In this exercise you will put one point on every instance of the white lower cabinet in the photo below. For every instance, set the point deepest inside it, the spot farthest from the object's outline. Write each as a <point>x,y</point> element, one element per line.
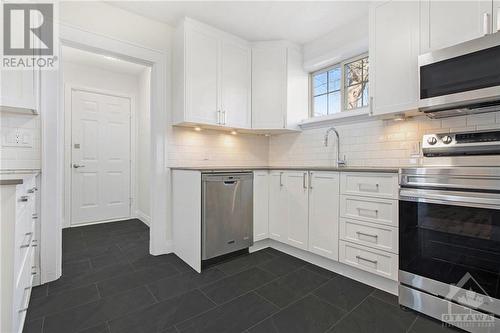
<point>323,213</point>
<point>278,213</point>
<point>260,205</point>
<point>368,259</point>
<point>18,239</point>
<point>297,191</point>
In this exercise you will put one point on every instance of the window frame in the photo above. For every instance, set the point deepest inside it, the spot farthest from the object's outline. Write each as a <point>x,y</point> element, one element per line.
<point>341,64</point>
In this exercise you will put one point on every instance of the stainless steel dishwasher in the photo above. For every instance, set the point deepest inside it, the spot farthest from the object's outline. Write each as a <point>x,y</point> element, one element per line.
<point>227,213</point>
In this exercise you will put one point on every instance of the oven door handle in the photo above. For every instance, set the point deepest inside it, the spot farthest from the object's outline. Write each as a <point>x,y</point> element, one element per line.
<point>467,199</point>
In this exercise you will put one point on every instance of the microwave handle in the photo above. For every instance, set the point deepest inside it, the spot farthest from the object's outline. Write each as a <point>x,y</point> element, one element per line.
<point>486,24</point>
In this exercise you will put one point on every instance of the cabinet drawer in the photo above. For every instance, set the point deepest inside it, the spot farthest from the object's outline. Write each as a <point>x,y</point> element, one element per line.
<point>369,184</point>
<point>369,234</point>
<point>374,261</point>
<point>22,293</point>
<point>374,210</point>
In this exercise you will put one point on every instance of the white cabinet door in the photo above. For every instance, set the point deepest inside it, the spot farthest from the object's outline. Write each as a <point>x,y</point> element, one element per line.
<point>260,205</point>
<point>324,214</point>
<point>445,23</point>
<point>19,89</point>
<point>297,208</point>
<point>496,16</point>
<point>202,53</point>
<point>235,84</point>
<point>278,213</point>
<point>269,66</point>
<point>394,48</point>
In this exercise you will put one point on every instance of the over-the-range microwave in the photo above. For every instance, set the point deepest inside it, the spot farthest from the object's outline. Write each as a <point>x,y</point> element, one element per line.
<point>461,79</point>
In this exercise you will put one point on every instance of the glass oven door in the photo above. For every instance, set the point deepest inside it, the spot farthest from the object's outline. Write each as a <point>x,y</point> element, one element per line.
<point>444,235</point>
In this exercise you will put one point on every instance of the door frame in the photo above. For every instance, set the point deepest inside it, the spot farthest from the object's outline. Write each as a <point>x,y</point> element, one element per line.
<point>52,125</point>
<point>69,88</point>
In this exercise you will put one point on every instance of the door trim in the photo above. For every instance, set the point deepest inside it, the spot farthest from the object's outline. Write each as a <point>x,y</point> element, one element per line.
<point>69,88</point>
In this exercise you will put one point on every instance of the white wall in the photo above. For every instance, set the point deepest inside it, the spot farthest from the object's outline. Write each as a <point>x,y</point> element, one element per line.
<point>143,153</point>
<point>345,42</point>
<point>20,157</point>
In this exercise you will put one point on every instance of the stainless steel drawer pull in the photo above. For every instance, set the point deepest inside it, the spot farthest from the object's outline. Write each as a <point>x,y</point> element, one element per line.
<point>369,235</point>
<point>31,191</point>
<point>24,246</point>
<point>23,310</point>
<point>304,183</point>
<point>23,198</point>
<point>360,210</point>
<point>369,260</point>
<point>368,187</point>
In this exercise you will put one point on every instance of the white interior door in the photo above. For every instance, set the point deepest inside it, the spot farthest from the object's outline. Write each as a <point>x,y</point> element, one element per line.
<point>100,151</point>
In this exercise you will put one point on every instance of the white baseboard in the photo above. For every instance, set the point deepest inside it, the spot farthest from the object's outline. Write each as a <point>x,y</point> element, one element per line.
<point>146,219</point>
<point>370,279</point>
<point>166,248</point>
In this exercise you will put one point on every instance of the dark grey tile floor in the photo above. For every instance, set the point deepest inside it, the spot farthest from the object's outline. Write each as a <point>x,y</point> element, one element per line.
<point>111,284</point>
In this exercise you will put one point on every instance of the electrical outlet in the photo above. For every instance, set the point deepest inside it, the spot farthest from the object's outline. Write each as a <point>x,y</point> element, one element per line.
<point>17,137</point>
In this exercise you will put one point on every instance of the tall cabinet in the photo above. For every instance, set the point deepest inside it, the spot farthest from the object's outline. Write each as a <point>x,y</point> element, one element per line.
<point>394,50</point>
<point>212,77</point>
<point>19,90</point>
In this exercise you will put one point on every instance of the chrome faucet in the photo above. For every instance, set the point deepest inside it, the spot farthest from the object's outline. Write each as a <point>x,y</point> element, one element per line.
<point>340,163</point>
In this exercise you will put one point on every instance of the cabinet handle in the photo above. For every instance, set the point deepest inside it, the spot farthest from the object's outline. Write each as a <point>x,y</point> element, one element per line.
<point>311,180</point>
<point>304,183</point>
<point>23,198</point>
<point>375,187</point>
<point>218,116</point>
<point>23,310</point>
<point>369,235</point>
<point>486,24</point>
<point>369,260</point>
<point>371,106</point>
<point>224,119</point>
<point>360,209</point>
<point>281,175</point>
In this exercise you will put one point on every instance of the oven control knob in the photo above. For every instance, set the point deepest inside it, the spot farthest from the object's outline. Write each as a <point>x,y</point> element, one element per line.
<point>447,139</point>
<point>432,140</point>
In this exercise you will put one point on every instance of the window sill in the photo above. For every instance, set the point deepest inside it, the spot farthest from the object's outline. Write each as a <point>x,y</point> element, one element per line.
<point>346,116</point>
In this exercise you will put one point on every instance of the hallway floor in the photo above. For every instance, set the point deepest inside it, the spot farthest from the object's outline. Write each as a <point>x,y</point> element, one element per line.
<point>111,284</point>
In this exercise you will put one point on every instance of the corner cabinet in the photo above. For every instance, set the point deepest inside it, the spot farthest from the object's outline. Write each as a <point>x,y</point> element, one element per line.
<point>279,86</point>
<point>394,50</point>
<point>19,90</point>
<point>211,77</point>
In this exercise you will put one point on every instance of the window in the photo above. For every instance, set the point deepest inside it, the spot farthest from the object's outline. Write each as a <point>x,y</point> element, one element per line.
<point>342,87</point>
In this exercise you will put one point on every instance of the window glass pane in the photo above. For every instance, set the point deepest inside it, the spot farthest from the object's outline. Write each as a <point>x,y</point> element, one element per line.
<point>320,106</point>
<point>320,83</point>
<point>334,102</point>
<point>354,73</point>
<point>354,96</point>
<point>365,95</point>
<point>334,79</point>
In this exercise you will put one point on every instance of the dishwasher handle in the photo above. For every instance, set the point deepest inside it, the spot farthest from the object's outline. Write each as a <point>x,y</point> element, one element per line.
<point>230,182</point>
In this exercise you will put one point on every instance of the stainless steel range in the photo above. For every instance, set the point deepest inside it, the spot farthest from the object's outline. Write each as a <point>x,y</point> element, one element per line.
<point>449,236</point>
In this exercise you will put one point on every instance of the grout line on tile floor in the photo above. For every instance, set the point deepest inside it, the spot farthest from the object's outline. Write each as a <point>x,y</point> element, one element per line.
<point>154,297</point>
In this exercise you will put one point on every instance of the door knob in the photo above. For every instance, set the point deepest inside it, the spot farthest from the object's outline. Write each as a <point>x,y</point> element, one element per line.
<point>76,166</point>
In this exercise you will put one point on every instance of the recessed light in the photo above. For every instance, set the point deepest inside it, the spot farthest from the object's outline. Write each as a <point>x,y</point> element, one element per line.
<point>197,129</point>
<point>234,132</point>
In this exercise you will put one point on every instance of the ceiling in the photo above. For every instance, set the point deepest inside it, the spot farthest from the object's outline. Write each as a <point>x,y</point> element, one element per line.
<point>296,21</point>
<point>81,57</point>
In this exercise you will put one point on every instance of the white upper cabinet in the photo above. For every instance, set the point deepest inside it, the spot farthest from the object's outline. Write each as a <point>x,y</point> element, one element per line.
<point>236,84</point>
<point>19,90</point>
<point>393,50</point>
<point>324,214</point>
<point>279,86</point>
<point>445,23</point>
<point>212,77</point>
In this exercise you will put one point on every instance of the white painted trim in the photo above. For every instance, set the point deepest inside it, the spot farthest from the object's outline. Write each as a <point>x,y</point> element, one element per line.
<point>370,279</point>
<point>341,117</point>
<point>146,219</point>
<point>103,221</point>
<point>52,115</point>
<point>68,113</point>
